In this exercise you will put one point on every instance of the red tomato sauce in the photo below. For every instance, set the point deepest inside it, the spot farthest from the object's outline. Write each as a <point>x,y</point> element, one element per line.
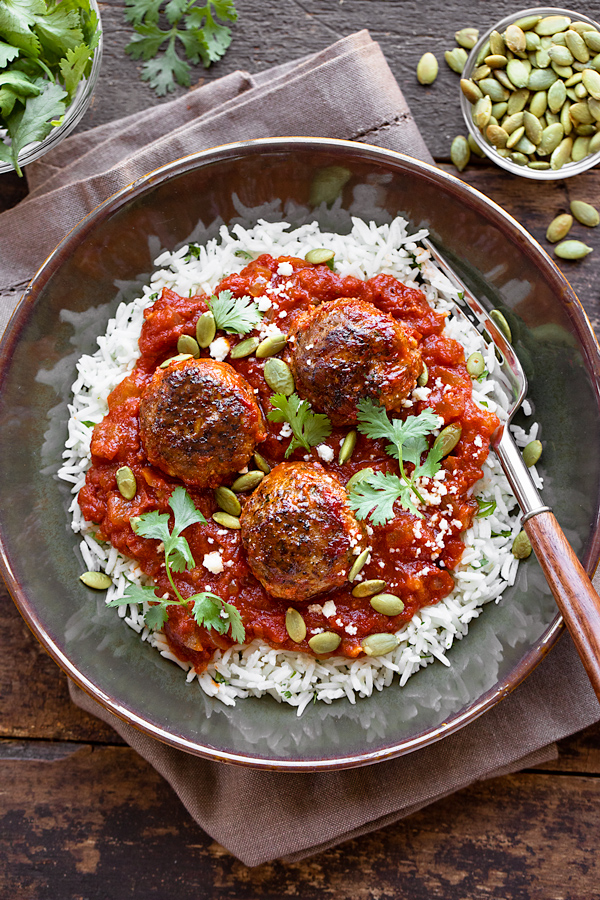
<point>414,556</point>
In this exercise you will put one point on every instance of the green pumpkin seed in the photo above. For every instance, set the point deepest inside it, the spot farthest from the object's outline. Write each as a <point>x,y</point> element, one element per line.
<point>550,25</point>
<point>387,604</point>
<point>521,547</point>
<point>460,152</point>
<point>226,520</point>
<point>494,90</point>
<point>482,112</point>
<point>518,73</point>
<point>514,38</point>
<point>578,47</point>
<point>175,359</point>
<point>497,45</point>
<point>552,135</point>
<point>227,500</point>
<point>261,463</point>
<point>532,453</point>
<point>581,27</point>
<point>295,625</point>
<point>581,148</point>
<point>559,228</point>
<point>361,475</point>
<point>481,72</point>
<point>592,40</point>
<point>574,80</point>
<point>552,118</point>
<point>247,482</point>
<point>580,114</point>
<point>320,255</point>
<point>562,56</point>
<point>585,130</point>
<point>100,581</point>
<point>525,145</point>
<point>470,90</point>
<point>580,92</point>
<point>511,123</point>
<point>126,482</point>
<point>427,71</point>
<point>206,329</point>
<point>528,22</point>
<point>358,564</point>
<point>541,79</point>
<point>447,439</point>
<point>595,143</point>
<point>245,348</point>
<point>379,644</point>
<point>423,377</point>
<point>485,51</point>
<point>517,101</point>
<point>532,41</point>
<point>456,59</point>
<point>519,158</point>
<point>368,588</point>
<point>496,135</point>
<point>501,76</point>
<point>538,104</point>
<point>591,80</point>
<point>515,137</point>
<point>476,364</point>
<point>467,37</point>
<point>594,108</point>
<point>539,165</point>
<point>271,345</point>
<point>557,94</point>
<point>572,250</point>
<point>496,62</point>
<point>347,448</point>
<point>562,154</point>
<point>500,321</point>
<point>474,146</point>
<point>533,128</point>
<point>325,642</point>
<point>188,345</point>
<point>278,376</point>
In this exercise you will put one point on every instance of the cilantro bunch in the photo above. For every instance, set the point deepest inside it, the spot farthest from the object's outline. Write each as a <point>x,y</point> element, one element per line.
<point>308,428</point>
<point>46,48</point>
<point>192,26</point>
<point>207,609</point>
<point>407,442</point>
<point>237,315</point>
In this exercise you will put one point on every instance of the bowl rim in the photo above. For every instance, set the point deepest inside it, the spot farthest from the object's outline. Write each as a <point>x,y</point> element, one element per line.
<point>589,347</point>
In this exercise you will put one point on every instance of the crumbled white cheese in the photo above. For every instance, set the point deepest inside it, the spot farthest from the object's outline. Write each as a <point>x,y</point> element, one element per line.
<point>329,609</point>
<point>219,349</point>
<point>285,268</point>
<point>421,393</point>
<point>286,430</point>
<point>213,562</point>
<point>350,629</point>
<point>263,303</point>
<point>315,608</point>
<point>325,452</point>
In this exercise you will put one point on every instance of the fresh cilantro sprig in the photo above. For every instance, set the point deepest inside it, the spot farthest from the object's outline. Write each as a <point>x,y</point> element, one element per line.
<point>486,507</point>
<point>193,26</point>
<point>46,48</point>
<point>407,442</point>
<point>207,609</point>
<point>237,315</point>
<point>308,428</point>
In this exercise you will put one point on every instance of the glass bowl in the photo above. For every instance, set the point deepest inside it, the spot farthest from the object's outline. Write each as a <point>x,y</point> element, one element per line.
<point>73,114</point>
<point>567,170</point>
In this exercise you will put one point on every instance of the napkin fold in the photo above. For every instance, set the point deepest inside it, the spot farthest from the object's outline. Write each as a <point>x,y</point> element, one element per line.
<point>345,91</point>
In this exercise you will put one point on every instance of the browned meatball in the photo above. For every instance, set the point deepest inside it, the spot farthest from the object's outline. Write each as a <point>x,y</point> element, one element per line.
<point>199,421</point>
<point>347,349</point>
<point>300,535</point>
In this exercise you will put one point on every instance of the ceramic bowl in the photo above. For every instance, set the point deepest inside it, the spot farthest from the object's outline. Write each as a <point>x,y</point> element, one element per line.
<point>476,58</point>
<point>103,261</point>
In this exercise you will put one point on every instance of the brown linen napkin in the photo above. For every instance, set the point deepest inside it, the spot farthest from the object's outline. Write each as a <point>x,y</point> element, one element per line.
<point>346,91</point>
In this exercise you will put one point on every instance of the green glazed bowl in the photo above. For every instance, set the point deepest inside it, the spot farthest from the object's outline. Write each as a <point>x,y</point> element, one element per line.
<point>103,260</point>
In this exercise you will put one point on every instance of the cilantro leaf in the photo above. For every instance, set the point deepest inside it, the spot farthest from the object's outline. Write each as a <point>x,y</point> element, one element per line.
<point>136,593</point>
<point>308,428</point>
<point>184,510</point>
<point>375,497</point>
<point>73,67</point>
<point>7,54</point>
<point>212,612</point>
<point>152,525</point>
<point>34,122</point>
<point>234,314</point>
<point>156,616</point>
<point>486,507</point>
<point>147,42</point>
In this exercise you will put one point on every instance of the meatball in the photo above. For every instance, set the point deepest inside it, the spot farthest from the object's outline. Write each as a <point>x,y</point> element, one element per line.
<point>299,533</point>
<point>199,421</point>
<point>348,349</point>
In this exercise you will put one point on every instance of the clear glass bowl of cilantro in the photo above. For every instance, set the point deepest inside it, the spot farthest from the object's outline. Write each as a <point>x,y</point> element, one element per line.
<point>50,53</point>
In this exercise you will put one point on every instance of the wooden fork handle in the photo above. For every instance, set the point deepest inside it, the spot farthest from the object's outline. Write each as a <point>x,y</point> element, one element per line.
<point>573,591</point>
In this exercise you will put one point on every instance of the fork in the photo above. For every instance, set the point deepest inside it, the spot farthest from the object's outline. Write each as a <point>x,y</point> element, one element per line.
<point>575,596</point>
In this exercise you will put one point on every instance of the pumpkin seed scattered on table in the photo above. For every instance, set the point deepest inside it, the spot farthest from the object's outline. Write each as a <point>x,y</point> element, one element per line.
<point>427,69</point>
<point>559,228</point>
<point>572,250</point>
<point>460,152</point>
<point>585,213</point>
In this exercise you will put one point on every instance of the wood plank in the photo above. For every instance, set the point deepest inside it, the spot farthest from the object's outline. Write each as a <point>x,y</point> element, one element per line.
<point>101,823</point>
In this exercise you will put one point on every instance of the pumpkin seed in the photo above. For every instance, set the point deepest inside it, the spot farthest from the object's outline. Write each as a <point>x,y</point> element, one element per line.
<point>518,73</point>
<point>562,154</point>
<point>538,104</point>
<point>188,345</point>
<point>594,108</point>
<point>387,604</point>
<point>496,62</point>
<point>500,321</point>
<point>126,482</point>
<point>496,135</point>
<point>533,128</point>
<point>379,644</point>
<point>525,145</point>
<point>494,90</point>
<point>559,228</point>
<point>368,588</point>
<point>206,329</point>
<point>247,482</point>
<point>519,158</point>
<point>565,119</point>
<point>591,81</point>
<point>325,642</point>
<point>514,38</point>
<point>497,44</point>
<point>515,137</point>
<point>580,114</point>
<point>517,101</point>
<point>577,46</point>
<point>321,255</point>
<point>467,37</point>
<point>511,123</point>
<point>347,448</point>
<point>361,475</point>
<point>581,27</point>
<point>539,165</point>
<point>423,377</point>
<point>482,112</point>
<point>581,148</point>
<point>557,94</point>
<point>595,143</point>
<point>474,146</point>
<point>552,135</point>
<point>574,80</point>
<point>358,564</point>
<point>550,25</point>
<point>226,520</point>
<point>456,59</point>
<point>447,439</point>
<point>427,71</point>
<point>245,348</point>
<point>295,625</point>
<point>532,41</point>
<point>541,79</point>
<point>261,463</point>
<point>100,581</point>
<point>521,547</point>
<point>470,90</point>
<point>528,22</point>
<point>532,453</point>
<point>585,130</point>
<point>592,40</point>
<point>175,359</point>
<point>481,72</point>
<point>278,376</point>
<point>476,364</point>
<point>485,51</point>
<point>460,152</point>
<point>562,56</point>
<point>271,345</point>
<point>572,250</point>
<point>227,500</point>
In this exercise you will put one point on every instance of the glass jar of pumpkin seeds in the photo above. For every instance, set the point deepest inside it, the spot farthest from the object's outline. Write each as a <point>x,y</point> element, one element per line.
<point>530,93</point>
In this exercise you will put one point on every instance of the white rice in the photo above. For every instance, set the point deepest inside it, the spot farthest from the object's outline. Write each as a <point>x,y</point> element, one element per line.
<point>487,566</point>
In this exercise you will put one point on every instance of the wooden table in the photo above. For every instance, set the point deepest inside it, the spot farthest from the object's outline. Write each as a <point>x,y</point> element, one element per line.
<point>83,815</point>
